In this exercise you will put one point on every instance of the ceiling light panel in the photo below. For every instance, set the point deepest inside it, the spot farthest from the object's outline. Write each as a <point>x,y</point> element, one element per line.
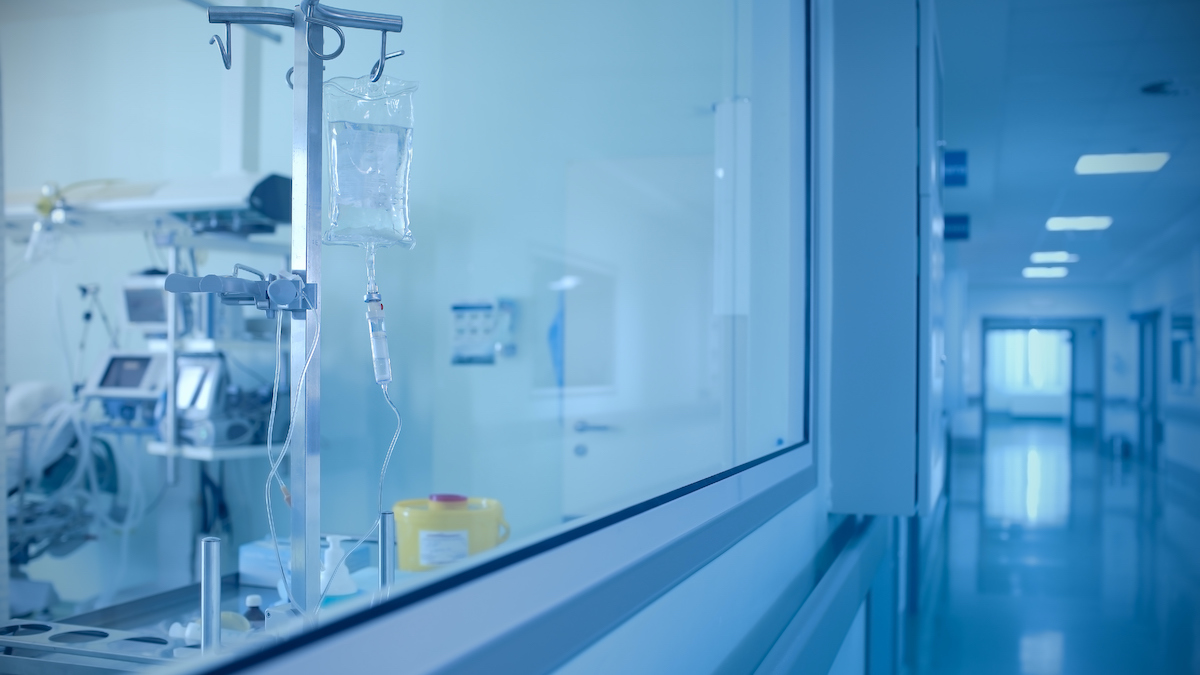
<point>1062,223</point>
<point>1135,162</point>
<point>1044,272</point>
<point>1047,257</point>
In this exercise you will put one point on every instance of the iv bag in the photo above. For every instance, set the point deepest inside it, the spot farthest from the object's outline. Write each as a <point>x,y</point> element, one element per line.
<point>368,127</point>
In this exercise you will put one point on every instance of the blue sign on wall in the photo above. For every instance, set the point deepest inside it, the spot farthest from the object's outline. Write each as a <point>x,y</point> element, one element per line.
<point>957,226</point>
<point>954,168</point>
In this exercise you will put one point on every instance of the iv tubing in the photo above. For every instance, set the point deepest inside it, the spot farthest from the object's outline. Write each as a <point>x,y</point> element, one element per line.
<point>371,285</point>
<point>382,474</point>
<point>283,452</point>
<point>275,394</point>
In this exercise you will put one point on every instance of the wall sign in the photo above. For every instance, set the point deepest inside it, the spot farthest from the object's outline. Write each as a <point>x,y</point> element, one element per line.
<point>957,226</point>
<point>954,168</point>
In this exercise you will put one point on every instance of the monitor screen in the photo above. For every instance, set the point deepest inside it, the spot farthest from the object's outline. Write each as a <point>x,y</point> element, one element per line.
<point>125,372</point>
<point>145,305</point>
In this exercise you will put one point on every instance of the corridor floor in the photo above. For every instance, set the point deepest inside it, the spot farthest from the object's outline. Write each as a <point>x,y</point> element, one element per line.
<point>1061,560</point>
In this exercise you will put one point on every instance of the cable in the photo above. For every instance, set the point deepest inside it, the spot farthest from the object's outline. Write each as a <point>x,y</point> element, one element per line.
<point>379,509</point>
<point>275,397</point>
<point>382,365</point>
<point>283,452</point>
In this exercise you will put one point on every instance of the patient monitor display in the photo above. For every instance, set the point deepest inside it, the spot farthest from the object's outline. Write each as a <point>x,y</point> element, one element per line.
<point>128,376</point>
<point>145,305</point>
<point>125,372</point>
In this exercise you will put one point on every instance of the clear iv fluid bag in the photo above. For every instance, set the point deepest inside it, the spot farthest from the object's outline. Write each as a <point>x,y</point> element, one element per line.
<point>368,129</point>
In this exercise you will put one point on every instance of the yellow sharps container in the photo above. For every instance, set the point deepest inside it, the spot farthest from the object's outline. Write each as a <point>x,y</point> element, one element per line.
<point>446,528</point>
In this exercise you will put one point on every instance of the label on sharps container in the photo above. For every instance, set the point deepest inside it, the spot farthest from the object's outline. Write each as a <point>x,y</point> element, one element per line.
<point>442,547</point>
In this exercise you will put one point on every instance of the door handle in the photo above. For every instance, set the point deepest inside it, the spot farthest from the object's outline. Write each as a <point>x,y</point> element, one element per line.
<point>583,427</point>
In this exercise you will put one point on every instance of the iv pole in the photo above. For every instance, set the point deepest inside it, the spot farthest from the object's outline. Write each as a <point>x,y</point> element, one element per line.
<point>309,19</point>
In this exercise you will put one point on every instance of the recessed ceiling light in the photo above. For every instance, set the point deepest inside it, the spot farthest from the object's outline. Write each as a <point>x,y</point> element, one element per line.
<point>1136,162</point>
<point>1043,257</point>
<point>1059,223</point>
<point>1044,272</point>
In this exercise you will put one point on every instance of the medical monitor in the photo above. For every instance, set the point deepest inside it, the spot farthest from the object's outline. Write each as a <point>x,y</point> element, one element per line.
<point>128,376</point>
<point>146,303</point>
<point>125,372</point>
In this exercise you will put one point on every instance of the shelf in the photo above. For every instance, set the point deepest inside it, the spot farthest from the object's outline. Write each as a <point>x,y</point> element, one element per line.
<point>208,453</point>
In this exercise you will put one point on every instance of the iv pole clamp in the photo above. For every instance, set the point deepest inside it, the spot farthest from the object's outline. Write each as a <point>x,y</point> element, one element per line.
<point>270,293</point>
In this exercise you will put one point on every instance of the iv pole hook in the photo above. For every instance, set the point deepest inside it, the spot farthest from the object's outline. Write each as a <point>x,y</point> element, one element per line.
<point>328,24</point>
<point>377,70</point>
<point>226,47</point>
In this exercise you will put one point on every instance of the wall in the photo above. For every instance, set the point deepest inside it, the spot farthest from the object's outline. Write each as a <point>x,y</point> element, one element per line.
<point>1110,303</point>
<point>699,625</point>
<point>1175,285</point>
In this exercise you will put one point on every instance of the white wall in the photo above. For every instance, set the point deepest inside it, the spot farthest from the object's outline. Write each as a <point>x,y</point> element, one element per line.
<point>1175,284</point>
<point>700,623</point>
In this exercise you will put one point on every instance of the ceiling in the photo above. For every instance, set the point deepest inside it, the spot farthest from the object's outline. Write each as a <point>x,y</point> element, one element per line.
<point>1030,85</point>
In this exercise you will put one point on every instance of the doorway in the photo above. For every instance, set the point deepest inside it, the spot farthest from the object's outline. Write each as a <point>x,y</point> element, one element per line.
<point>1149,427</point>
<point>1029,374</point>
<point>1045,369</point>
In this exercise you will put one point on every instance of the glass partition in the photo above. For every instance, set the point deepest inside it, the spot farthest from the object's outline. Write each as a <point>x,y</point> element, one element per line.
<point>607,300</point>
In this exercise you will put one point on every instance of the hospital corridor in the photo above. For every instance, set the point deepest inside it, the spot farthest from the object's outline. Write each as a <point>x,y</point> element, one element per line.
<point>574,337</point>
<point>1060,559</point>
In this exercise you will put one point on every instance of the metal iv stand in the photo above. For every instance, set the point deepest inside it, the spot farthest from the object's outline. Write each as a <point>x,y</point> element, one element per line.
<point>309,19</point>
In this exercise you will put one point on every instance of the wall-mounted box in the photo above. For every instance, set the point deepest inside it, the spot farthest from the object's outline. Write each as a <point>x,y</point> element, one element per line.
<point>886,449</point>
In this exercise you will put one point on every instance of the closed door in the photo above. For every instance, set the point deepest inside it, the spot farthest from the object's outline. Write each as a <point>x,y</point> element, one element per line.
<point>1148,427</point>
<point>639,366</point>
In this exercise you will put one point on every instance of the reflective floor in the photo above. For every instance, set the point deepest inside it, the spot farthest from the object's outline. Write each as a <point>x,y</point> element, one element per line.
<point>1061,559</point>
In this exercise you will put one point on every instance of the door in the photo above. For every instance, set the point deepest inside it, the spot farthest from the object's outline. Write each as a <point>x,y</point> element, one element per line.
<point>1087,390</point>
<point>641,359</point>
<point>1149,432</point>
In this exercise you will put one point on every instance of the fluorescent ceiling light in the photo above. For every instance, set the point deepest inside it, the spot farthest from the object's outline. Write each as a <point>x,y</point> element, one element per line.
<point>1136,162</point>
<point>1059,223</point>
<point>1044,272</point>
<point>1043,257</point>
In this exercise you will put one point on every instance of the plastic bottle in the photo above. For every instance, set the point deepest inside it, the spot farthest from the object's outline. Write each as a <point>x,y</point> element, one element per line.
<point>254,613</point>
<point>341,584</point>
